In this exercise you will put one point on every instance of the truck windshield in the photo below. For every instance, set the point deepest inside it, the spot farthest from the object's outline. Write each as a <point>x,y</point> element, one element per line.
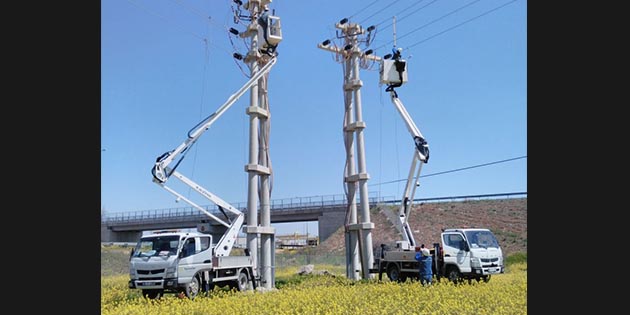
<point>483,239</point>
<point>156,246</point>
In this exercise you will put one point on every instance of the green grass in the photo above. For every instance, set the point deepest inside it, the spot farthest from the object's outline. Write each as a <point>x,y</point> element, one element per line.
<point>516,258</point>
<point>114,260</point>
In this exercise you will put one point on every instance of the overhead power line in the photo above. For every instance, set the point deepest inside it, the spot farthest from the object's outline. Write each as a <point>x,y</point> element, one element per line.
<point>378,11</point>
<point>364,8</point>
<point>167,20</point>
<point>200,14</point>
<point>183,29</point>
<point>460,24</point>
<point>367,6</point>
<point>407,15</point>
<point>455,170</point>
<point>192,9</point>
<point>427,24</point>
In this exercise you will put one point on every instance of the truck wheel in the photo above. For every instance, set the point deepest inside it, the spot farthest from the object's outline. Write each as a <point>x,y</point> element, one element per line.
<point>453,275</point>
<point>393,272</point>
<point>241,283</point>
<point>485,278</point>
<point>152,293</point>
<point>192,288</point>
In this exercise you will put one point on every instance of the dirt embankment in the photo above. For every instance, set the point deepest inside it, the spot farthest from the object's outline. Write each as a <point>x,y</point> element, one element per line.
<point>506,218</point>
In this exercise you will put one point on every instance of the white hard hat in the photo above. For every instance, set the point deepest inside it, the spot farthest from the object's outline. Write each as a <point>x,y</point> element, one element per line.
<point>426,252</point>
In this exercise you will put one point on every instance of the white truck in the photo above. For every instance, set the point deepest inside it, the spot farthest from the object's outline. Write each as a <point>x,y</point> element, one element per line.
<point>185,262</point>
<point>461,253</point>
<point>194,262</point>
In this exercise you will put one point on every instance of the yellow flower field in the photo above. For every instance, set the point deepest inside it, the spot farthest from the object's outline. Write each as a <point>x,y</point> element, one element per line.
<point>333,294</point>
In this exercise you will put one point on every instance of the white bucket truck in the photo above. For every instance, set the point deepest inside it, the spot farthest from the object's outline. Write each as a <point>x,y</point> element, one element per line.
<point>185,262</point>
<point>462,253</point>
<point>194,262</point>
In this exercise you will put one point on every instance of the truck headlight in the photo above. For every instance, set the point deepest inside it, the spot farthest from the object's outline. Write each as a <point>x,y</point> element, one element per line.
<point>475,262</point>
<point>170,272</point>
<point>132,272</point>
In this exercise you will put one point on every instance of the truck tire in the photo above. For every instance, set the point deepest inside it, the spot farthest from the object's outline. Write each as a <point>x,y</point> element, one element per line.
<point>453,275</point>
<point>192,289</point>
<point>152,293</point>
<point>242,281</point>
<point>393,272</point>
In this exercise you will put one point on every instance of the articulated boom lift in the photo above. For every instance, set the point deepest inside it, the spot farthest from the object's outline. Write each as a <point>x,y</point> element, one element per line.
<point>394,73</point>
<point>162,171</point>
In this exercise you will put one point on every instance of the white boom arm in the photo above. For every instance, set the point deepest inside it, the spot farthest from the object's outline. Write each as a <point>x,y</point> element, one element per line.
<point>162,172</point>
<point>420,154</point>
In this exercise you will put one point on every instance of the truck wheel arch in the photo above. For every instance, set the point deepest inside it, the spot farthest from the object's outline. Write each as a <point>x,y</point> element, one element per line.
<point>193,288</point>
<point>393,272</point>
<point>453,273</point>
<point>242,279</point>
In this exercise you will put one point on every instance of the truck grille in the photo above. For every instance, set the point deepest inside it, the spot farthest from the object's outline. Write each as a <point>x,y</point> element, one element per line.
<point>154,271</point>
<point>489,259</point>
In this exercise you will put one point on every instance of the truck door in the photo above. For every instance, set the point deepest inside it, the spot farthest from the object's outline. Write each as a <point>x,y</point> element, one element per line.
<point>203,252</point>
<point>186,269</point>
<point>455,251</point>
<point>196,255</point>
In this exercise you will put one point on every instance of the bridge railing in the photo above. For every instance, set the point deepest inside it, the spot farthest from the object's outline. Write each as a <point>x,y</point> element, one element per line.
<point>286,204</point>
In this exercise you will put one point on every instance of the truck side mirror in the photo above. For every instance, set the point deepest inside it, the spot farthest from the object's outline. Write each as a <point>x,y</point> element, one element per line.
<point>133,250</point>
<point>466,247</point>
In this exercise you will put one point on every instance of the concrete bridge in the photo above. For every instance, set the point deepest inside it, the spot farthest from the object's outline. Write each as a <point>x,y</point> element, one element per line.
<point>328,211</point>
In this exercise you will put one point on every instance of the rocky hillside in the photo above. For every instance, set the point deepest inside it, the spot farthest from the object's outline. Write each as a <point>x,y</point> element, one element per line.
<point>506,218</point>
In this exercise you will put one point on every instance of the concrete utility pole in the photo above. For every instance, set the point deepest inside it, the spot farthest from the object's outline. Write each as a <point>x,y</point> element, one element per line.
<point>358,235</point>
<point>258,168</point>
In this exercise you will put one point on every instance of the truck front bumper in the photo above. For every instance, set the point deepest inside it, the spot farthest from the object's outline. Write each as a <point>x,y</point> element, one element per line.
<point>490,270</point>
<point>168,283</point>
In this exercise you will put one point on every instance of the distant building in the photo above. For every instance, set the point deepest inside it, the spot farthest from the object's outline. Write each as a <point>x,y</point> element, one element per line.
<point>296,241</point>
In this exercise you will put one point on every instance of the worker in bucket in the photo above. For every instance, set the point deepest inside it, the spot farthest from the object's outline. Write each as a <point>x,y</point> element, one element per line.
<point>423,256</point>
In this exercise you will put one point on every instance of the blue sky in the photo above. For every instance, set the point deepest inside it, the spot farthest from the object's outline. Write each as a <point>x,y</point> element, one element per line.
<point>467,93</point>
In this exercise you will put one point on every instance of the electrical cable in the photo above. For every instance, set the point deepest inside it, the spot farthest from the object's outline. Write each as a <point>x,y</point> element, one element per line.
<point>401,11</point>
<point>410,14</point>
<point>455,170</point>
<point>433,21</point>
<point>192,9</point>
<point>367,6</point>
<point>378,11</point>
<point>203,89</point>
<point>164,18</point>
<point>179,26</point>
<point>460,24</point>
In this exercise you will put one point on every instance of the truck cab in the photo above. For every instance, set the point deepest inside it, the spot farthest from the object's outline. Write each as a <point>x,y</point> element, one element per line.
<point>469,253</point>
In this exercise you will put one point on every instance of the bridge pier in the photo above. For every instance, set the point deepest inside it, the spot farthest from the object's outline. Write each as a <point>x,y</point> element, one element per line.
<point>107,235</point>
<point>329,222</point>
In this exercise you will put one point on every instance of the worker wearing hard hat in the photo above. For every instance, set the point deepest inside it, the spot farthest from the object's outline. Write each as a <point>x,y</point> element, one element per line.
<point>423,256</point>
